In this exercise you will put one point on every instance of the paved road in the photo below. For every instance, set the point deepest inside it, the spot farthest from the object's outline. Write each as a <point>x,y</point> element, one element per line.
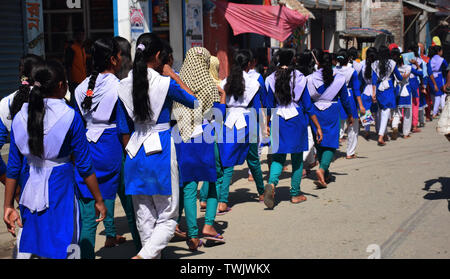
<point>397,197</point>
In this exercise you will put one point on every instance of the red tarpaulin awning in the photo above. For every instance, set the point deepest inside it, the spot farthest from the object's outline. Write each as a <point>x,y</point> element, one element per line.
<point>277,22</point>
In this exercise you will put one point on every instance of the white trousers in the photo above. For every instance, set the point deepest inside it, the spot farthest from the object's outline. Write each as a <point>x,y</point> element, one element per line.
<point>156,216</point>
<point>407,119</point>
<point>439,102</point>
<point>384,117</point>
<point>343,127</point>
<point>309,156</point>
<point>421,115</point>
<point>16,253</point>
<point>352,141</point>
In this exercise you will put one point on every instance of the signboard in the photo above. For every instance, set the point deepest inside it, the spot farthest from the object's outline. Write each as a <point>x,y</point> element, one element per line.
<point>34,27</point>
<point>194,23</point>
<point>136,22</point>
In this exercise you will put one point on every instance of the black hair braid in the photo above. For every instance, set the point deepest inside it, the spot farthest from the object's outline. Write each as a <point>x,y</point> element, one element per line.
<point>283,90</point>
<point>396,56</point>
<point>371,56</point>
<point>152,44</point>
<point>102,51</point>
<point>325,63</point>
<point>87,101</point>
<point>342,57</point>
<point>383,61</point>
<point>27,63</point>
<point>235,85</point>
<point>49,76</point>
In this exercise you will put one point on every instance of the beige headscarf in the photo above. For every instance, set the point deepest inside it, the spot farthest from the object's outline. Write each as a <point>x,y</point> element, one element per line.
<point>214,69</point>
<point>195,74</point>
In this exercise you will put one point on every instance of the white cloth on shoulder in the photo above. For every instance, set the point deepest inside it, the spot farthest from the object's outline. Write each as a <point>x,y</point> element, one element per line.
<point>57,120</point>
<point>103,102</point>
<point>238,108</point>
<point>146,133</point>
<point>384,84</point>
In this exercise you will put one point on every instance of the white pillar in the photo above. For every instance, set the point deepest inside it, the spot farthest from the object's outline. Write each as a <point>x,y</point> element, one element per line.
<point>365,13</point>
<point>176,32</point>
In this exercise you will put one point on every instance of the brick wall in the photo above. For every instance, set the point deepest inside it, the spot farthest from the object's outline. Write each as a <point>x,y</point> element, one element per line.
<point>353,9</point>
<point>385,14</point>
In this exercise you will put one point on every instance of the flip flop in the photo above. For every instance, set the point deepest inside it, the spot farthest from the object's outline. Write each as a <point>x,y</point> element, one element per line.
<point>223,212</point>
<point>320,185</point>
<point>351,157</point>
<point>200,244</point>
<point>302,200</point>
<point>215,238</point>
<point>269,197</point>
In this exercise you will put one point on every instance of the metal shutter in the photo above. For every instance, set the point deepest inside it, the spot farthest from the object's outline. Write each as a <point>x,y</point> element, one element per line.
<point>11,45</point>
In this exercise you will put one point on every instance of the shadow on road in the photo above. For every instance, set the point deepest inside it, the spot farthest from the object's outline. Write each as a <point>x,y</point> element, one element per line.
<point>444,192</point>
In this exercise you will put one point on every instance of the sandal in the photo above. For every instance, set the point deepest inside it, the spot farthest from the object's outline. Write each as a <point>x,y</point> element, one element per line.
<point>351,157</point>
<point>261,198</point>
<point>192,246</point>
<point>302,198</point>
<point>180,234</point>
<point>223,212</point>
<point>214,238</point>
<point>269,196</point>
<point>381,143</point>
<point>320,185</point>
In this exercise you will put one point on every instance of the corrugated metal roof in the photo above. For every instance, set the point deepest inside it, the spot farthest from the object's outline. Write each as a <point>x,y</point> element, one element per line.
<point>421,6</point>
<point>322,4</point>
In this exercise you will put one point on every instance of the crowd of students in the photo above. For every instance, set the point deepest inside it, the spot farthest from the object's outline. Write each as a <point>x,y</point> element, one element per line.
<point>150,135</point>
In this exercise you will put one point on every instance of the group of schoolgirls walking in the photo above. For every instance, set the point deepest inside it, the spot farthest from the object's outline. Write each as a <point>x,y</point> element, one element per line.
<point>66,165</point>
<point>398,89</point>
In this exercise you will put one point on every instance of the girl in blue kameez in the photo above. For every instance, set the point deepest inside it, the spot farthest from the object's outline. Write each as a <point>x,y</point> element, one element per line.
<point>367,89</point>
<point>436,69</point>
<point>98,103</point>
<point>290,105</point>
<point>151,168</point>
<point>49,133</point>
<point>384,70</point>
<point>325,90</point>
<point>353,86</point>
<point>240,131</point>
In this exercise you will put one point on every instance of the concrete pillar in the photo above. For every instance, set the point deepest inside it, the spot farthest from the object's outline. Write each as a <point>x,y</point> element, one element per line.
<point>423,33</point>
<point>176,32</point>
<point>365,13</point>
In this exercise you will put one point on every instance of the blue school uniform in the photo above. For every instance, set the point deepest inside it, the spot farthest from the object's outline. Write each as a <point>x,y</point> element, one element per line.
<point>196,160</point>
<point>3,137</point>
<point>290,134</point>
<point>5,128</point>
<point>436,67</point>
<point>263,94</point>
<point>386,91</point>
<point>367,90</point>
<point>328,117</point>
<point>48,233</point>
<point>105,145</point>
<point>233,148</point>
<point>414,79</point>
<point>353,86</point>
<point>147,169</point>
<point>406,101</point>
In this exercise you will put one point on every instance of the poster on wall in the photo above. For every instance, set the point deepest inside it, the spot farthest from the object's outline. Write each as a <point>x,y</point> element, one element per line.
<point>160,13</point>
<point>136,22</point>
<point>35,27</point>
<point>194,23</point>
